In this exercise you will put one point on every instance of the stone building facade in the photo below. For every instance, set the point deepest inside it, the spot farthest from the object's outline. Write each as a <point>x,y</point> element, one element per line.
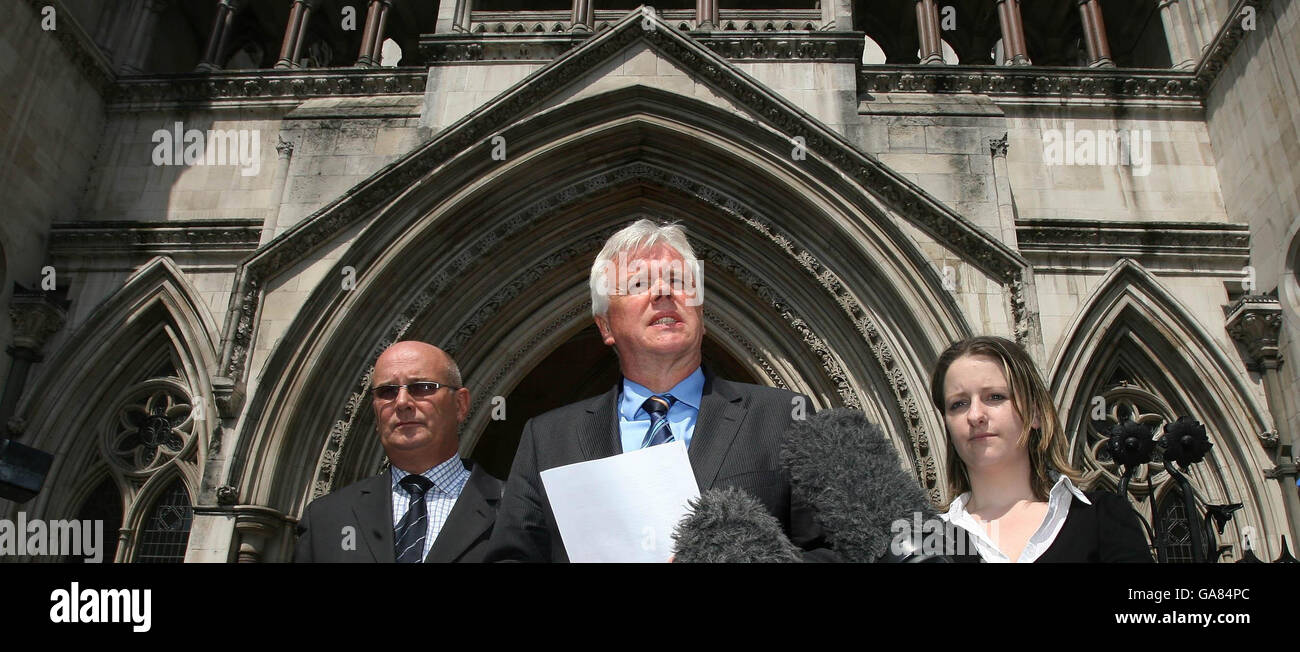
<point>218,213</point>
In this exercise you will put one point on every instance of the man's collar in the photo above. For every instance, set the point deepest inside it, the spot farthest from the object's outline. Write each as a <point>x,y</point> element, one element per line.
<point>689,391</point>
<point>443,476</point>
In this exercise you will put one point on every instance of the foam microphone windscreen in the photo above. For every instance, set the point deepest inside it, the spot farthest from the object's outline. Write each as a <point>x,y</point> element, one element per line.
<point>730,526</point>
<point>845,467</point>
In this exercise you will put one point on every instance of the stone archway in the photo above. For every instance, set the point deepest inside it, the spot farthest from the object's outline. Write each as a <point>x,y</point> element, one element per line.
<point>812,282</point>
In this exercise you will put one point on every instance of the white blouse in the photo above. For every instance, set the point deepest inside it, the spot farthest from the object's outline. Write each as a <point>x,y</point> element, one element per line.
<point>1058,507</point>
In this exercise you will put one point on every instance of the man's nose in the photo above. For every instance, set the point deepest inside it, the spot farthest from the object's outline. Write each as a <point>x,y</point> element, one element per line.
<point>403,397</point>
<point>660,287</point>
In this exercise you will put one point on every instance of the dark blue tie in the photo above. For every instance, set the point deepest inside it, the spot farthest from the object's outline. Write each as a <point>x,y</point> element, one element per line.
<point>657,408</point>
<point>408,537</point>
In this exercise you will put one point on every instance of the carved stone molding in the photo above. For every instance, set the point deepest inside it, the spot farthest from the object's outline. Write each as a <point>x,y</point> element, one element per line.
<point>227,495</point>
<point>811,46</point>
<point>998,146</point>
<point>238,235</point>
<point>1033,82</point>
<point>1256,322</point>
<point>492,47</point>
<point>283,148</point>
<point>561,199</point>
<point>77,45</point>
<point>1229,243</point>
<point>806,46</point>
<point>36,317</point>
<point>1225,43</point>
<point>245,86</point>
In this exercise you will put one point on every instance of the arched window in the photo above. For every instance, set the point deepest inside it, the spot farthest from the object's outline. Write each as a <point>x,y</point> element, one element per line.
<point>167,527</point>
<point>104,503</point>
<point>1173,516</point>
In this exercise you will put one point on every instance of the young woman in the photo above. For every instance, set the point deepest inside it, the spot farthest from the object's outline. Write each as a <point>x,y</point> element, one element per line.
<point>1008,466</point>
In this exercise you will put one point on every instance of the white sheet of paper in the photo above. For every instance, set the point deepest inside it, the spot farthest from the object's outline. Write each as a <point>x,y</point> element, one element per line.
<point>622,508</point>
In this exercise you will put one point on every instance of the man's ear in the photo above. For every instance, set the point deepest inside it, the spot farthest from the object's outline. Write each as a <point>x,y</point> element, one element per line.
<point>462,405</point>
<point>605,334</point>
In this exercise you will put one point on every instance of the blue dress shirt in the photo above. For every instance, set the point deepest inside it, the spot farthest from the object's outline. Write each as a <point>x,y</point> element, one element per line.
<point>634,423</point>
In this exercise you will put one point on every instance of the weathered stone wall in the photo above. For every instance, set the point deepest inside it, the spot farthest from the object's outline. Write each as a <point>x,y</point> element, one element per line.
<point>51,112</point>
<point>1253,119</point>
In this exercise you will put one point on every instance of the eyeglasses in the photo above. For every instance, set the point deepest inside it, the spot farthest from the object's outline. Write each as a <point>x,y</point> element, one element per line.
<point>422,389</point>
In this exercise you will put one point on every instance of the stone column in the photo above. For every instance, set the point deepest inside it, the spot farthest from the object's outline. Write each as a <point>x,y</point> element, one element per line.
<point>707,15</point>
<point>1183,50</point>
<point>583,18</point>
<point>377,55</point>
<point>1094,34</point>
<point>1002,186</point>
<point>1014,47</point>
<point>927,28</point>
<point>1256,322</point>
<point>295,33</point>
<point>213,54</point>
<point>1203,24</point>
<point>837,15</point>
<point>142,35</point>
<point>364,59</point>
<point>36,316</point>
<point>372,38</point>
<point>272,225</point>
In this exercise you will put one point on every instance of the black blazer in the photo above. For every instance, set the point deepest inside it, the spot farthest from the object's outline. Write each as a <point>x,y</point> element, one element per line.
<point>736,443</point>
<point>367,506</point>
<point>1106,531</point>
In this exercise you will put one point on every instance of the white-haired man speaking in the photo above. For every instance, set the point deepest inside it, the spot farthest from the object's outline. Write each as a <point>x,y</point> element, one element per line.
<point>646,295</point>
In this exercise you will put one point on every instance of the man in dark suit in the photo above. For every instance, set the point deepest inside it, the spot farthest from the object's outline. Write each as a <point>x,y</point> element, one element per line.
<point>646,297</point>
<point>430,506</point>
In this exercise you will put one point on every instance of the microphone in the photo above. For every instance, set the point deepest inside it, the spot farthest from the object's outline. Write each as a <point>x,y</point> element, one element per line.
<point>730,526</point>
<point>865,499</point>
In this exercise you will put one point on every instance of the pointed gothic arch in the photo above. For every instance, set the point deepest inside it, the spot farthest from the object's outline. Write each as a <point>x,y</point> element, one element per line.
<point>861,334</point>
<point>151,343</point>
<point>1132,322</point>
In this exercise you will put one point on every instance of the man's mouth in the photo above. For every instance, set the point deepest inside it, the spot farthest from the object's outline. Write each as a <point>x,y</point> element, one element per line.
<point>665,321</point>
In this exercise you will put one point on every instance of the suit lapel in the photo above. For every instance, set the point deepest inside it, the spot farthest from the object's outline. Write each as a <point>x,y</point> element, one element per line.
<point>598,433</point>
<point>374,513</point>
<point>721,413</point>
<point>469,518</point>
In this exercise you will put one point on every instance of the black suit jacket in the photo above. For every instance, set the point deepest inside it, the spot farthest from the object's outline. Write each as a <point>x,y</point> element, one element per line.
<point>736,443</point>
<point>367,507</point>
<point>1106,531</point>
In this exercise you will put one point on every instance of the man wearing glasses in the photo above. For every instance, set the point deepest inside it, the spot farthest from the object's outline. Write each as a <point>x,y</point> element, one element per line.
<point>429,506</point>
<point>646,296</point>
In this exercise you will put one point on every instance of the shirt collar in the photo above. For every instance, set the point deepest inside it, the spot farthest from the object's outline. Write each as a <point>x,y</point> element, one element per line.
<point>689,391</point>
<point>448,476</point>
<point>1063,484</point>
<point>1058,501</point>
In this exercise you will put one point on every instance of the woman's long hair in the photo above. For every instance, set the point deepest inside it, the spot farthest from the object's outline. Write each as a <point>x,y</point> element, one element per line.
<point>1046,444</point>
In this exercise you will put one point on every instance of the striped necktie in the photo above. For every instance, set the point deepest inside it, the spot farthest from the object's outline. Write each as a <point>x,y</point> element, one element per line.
<point>408,538</point>
<point>657,408</point>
